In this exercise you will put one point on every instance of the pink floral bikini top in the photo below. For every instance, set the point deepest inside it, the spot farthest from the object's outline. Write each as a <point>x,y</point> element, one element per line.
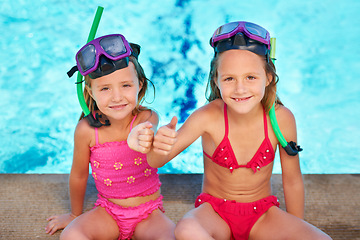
<point>120,172</point>
<point>225,157</point>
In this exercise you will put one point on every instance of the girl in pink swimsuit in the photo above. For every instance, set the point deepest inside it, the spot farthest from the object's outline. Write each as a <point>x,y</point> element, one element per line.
<point>239,147</point>
<point>129,202</point>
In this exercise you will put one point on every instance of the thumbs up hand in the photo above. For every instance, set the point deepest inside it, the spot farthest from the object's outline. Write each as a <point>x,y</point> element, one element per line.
<point>165,138</point>
<point>141,137</point>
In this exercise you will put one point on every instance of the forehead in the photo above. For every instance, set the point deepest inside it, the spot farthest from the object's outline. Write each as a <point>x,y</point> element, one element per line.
<point>240,59</point>
<point>127,74</point>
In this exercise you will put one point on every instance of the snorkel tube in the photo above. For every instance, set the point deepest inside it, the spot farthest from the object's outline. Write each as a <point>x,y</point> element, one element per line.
<point>87,114</point>
<point>290,147</point>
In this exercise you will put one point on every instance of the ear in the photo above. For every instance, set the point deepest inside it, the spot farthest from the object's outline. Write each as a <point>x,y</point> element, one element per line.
<point>269,79</point>
<point>141,83</point>
<point>89,91</point>
<point>215,82</point>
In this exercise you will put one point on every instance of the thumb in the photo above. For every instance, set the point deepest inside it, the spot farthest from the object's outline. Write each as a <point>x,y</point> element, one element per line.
<point>140,127</point>
<point>147,125</point>
<point>172,124</point>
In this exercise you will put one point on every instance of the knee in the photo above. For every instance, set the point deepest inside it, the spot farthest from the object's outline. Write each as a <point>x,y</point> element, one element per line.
<point>72,233</point>
<point>186,228</point>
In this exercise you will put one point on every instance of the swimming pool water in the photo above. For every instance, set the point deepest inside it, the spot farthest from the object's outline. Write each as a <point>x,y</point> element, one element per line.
<point>317,61</point>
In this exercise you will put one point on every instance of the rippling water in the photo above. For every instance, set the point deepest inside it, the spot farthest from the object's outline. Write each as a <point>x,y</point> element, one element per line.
<point>317,61</point>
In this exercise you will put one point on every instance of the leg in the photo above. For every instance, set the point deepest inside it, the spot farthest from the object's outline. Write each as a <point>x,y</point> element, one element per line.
<point>278,224</point>
<point>202,223</point>
<point>156,227</point>
<point>95,224</point>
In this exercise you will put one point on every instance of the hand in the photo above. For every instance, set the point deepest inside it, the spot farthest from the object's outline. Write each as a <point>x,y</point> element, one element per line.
<point>58,222</point>
<point>141,137</point>
<point>165,138</point>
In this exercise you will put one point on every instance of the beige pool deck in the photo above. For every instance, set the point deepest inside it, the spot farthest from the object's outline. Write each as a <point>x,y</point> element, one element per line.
<point>26,200</point>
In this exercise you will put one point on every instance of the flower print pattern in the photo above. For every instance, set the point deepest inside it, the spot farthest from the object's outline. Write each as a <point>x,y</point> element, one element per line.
<point>130,180</point>
<point>94,175</point>
<point>107,182</point>
<point>118,165</point>
<point>138,161</point>
<point>96,164</point>
<point>147,172</point>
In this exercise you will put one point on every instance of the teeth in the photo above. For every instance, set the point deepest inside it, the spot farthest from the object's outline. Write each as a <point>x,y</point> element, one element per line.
<point>240,99</point>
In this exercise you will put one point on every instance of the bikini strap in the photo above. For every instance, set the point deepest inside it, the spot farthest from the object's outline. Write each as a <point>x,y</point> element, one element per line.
<point>265,124</point>
<point>132,121</point>
<point>226,120</point>
<point>96,133</point>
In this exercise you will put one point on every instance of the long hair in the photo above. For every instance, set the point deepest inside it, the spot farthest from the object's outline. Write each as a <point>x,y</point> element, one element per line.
<point>143,80</point>
<point>270,96</point>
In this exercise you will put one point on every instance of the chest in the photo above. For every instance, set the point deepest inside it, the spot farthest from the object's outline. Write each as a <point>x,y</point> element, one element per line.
<point>117,156</point>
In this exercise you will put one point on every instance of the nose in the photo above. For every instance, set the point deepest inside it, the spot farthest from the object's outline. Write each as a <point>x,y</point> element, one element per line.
<point>117,95</point>
<point>240,86</point>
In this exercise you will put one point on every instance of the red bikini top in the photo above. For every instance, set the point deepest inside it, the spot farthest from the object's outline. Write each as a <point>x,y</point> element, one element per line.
<point>225,157</point>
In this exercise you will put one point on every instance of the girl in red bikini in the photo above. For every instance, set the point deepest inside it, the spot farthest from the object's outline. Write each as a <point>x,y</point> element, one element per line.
<point>239,147</point>
<point>129,204</point>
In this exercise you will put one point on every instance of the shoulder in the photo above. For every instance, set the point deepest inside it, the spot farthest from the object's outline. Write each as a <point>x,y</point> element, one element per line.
<point>284,115</point>
<point>147,115</point>
<point>84,131</point>
<point>286,121</point>
<point>207,115</point>
<point>211,109</point>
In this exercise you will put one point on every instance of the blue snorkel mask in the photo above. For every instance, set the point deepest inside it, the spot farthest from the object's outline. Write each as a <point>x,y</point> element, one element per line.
<point>254,38</point>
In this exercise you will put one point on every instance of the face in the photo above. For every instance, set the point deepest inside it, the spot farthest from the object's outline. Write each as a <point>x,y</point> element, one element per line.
<point>116,94</point>
<point>241,79</point>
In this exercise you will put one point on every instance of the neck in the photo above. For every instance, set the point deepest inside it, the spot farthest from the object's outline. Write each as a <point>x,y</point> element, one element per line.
<point>246,118</point>
<point>121,124</point>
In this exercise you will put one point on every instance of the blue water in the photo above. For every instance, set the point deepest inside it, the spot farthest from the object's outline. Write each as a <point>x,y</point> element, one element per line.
<point>318,61</point>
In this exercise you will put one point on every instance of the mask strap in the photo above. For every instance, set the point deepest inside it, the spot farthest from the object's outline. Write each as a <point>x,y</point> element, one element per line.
<point>71,72</point>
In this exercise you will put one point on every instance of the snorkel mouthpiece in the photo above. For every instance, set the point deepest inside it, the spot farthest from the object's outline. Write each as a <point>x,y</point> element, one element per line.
<point>95,122</point>
<point>292,148</point>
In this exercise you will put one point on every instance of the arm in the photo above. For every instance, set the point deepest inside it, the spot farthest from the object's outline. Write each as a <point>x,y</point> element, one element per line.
<point>141,136</point>
<point>80,167</point>
<point>168,143</point>
<point>291,174</point>
<point>77,181</point>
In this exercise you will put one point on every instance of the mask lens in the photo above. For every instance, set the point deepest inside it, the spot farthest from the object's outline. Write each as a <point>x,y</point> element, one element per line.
<point>113,45</point>
<point>256,30</point>
<point>226,28</point>
<point>87,57</point>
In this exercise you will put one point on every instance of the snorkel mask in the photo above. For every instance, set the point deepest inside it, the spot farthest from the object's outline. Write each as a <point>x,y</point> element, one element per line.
<point>100,57</point>
<point>256,39</point>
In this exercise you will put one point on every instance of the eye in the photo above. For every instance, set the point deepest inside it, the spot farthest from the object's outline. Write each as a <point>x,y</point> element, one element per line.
<point>250,77</point>
<point>104,89</point>
<point>228,79</point>
<point>126,85</point>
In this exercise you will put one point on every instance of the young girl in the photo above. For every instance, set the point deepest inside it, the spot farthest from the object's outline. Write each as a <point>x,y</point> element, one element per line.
<point>239,147</point>
<point>129,204</point>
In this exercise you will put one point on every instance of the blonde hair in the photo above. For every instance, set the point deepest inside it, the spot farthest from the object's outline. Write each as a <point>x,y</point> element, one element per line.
<point>91,104</point>
<point>270,95</point>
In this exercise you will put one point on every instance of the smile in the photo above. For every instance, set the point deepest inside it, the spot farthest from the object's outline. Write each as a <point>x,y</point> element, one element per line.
<point>118,107</point>
<point>241,99</point>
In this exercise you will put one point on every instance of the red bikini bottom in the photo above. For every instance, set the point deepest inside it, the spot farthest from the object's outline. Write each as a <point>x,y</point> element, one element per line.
<point>240,217</point>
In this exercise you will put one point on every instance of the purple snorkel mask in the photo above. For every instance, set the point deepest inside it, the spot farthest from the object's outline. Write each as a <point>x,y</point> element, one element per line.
<point>241,35</point>
<point>102,56</point>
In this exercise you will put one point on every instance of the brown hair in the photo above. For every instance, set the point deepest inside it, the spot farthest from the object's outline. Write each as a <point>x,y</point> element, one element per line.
<point>142,81</point>
<point>270,95</point>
